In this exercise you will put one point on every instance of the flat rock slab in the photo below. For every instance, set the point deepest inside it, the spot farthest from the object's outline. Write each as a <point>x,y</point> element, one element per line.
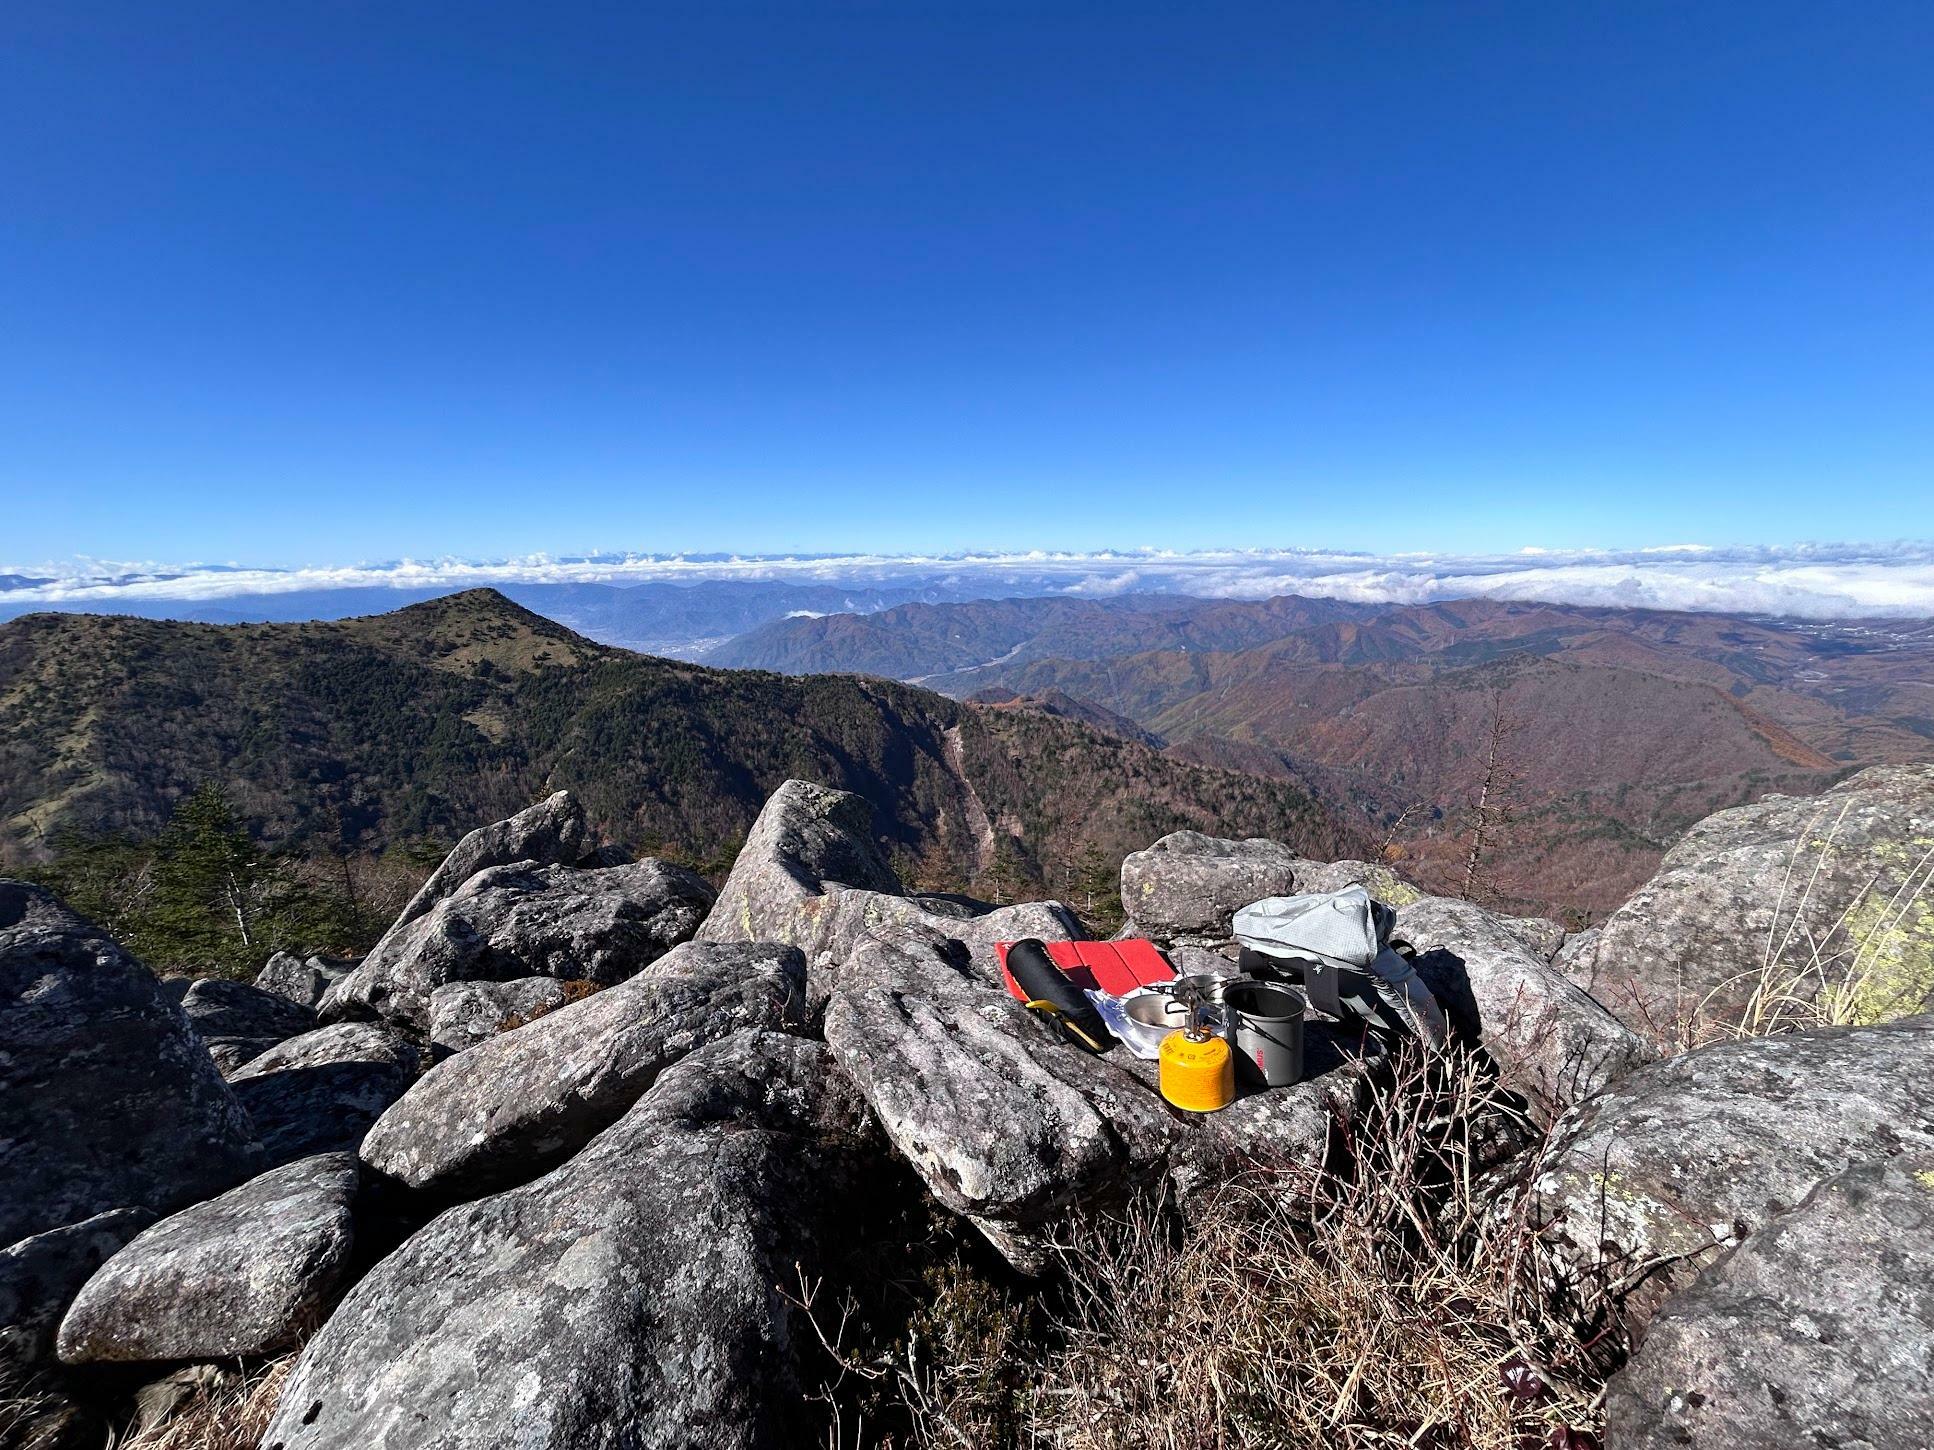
<point>1187,886</point>
<point>1553,1042</point>
<point>239,1021</point>
<point>1786,873</point>
<point>520,1103</point>
<point>463,1014</point>
<point>247,1273</point>
<point>319,1093</point>
<point>1817,1330</point>
<point>526,920</point>
<point>108,1099</point>
<point>40,1276</point>
<point>630,1300</point>
<point>1016,1130</point>
<point>1685,1157</point>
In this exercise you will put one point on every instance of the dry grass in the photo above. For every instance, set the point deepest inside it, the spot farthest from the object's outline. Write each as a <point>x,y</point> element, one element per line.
<point>1382,1305</point>
<point>1870,961</point>
<point>233,1416</point>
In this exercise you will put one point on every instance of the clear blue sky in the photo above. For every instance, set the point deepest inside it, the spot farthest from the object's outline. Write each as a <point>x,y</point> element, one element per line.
<point>319,282</point>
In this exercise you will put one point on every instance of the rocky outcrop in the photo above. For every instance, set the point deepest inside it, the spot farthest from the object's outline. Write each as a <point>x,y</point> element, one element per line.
<point>1553,1043</point>
<point>1185,888</point>
<point>550,833</point>
<point>1844,876</point>
<point>302,980</point>
<point>462,1014</point>
<point>1379,880</point>
<point>807,840</point>
<point>632,1298</point>
<point>1014,1129</point>
<point>238,1021</point>
<point>39,1278</point>
<point>527,920</point>
<point>810,876</point>
<point>108,1099</point>
<point>247,1273</point>
<point>320,1092</point>
<point>516,1105</point>
<point>1642,1185</point>
<point>1814,1331</point>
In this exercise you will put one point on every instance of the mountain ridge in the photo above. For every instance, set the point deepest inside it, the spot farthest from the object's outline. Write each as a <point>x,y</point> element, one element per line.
<point>372,730</point>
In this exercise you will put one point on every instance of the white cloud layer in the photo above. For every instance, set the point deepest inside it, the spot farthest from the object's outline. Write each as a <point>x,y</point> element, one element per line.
<point>1807,580</point>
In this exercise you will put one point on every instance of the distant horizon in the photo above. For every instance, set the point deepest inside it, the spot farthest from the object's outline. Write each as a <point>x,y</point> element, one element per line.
<point>1816,580</point>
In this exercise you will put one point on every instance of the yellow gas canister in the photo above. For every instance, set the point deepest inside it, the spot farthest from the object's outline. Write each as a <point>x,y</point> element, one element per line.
<point>1197,1071</point>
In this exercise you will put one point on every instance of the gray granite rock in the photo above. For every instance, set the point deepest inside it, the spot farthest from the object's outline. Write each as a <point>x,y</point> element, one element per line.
<point>1185,888</point>
<point>633,1299</point>
<point>1383,883</point>
<point>1644,1184</point>
<point>319,1093</point>
<point>1542,936</point>
<point>339,1042</point>
<point>810,876</point>
<point>1783,878</point>
<point>1818,1330</point>
<point>526,920</point>
<point>462,1014</point>
<point>550,833</point>
<point>516,1105</point>
<point>250,1272</point>
<point>302,980</point>
<point>1552,1041</point>
<point>108,1099</point>
<point>1021,1133</point>
<point>40,1276</point>
<point>239,1021</point>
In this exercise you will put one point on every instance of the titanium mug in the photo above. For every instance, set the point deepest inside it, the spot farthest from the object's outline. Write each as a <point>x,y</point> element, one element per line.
<point>1268,1022</point>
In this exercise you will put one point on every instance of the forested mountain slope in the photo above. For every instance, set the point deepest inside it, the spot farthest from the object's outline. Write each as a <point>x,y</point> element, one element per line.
<point>366,732</point>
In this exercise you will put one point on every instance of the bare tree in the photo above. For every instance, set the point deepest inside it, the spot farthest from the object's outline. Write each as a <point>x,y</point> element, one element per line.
<point>1387,847</point>
<point>1495,804</point>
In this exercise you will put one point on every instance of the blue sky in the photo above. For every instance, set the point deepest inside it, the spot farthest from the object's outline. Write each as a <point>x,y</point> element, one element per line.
<point>295,284</point>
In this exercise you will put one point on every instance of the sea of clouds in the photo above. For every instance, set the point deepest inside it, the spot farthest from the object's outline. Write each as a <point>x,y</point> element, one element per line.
<point>1818,581</point>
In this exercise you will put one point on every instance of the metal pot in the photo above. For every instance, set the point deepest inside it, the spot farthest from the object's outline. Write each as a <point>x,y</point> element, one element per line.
<point>1267,1020</point>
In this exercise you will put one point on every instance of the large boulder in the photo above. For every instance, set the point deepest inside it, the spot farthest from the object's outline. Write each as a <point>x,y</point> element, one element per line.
<point>1379,880</point>
<point>39,1278</point>
<point>1789,888</point>
<point>248,1273</point>
<point>809,875</point>
<point>634,1297</point>
<point>527,920</point>
<point>1682,1158</point>
<point>1018,1131</point>
<point>320,1092</point>
<point>1817,1330</point>
<point>108,1099</point>
<point>239,1021</point>
<point>808,839</point>
<point>515,1105</point>
<point>1552,1041</point>
<point>339,1042</point>
<point>1185,888</point>
<point>462,1014</point>
<point>550,833</point>
<point>302,980</point>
